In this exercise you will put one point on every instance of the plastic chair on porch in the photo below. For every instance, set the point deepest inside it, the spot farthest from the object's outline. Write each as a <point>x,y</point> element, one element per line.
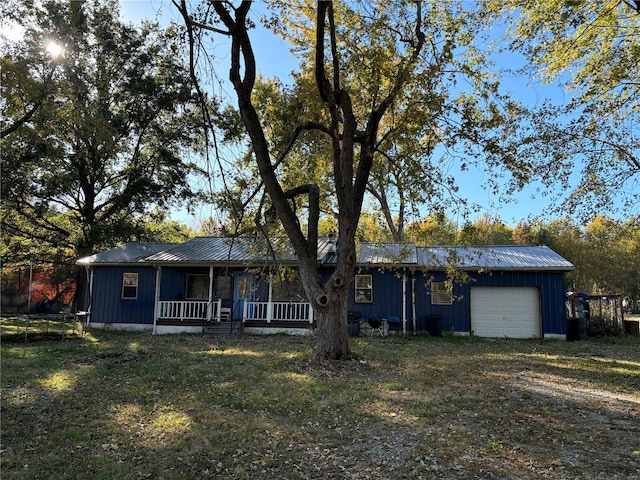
<point>225,310</point>
<point>376,325</point>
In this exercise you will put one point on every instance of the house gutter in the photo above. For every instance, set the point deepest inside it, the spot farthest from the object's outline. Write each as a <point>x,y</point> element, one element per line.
<point>404,303</point>
<point>413,303</point>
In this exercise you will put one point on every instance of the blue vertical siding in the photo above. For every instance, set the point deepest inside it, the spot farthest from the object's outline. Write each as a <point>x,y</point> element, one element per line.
<point>551,288</point>
<point>107,304</point>
<point>108,307</point>
<point>387,297</point>
<point>387,294</point>
<point>173,283</point>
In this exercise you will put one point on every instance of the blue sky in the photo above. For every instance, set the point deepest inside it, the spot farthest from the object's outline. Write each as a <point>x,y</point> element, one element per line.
<point>273,59</point>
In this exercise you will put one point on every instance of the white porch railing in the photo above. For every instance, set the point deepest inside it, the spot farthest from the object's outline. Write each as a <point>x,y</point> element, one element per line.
<point>278,311</point>
<point>192,310</point>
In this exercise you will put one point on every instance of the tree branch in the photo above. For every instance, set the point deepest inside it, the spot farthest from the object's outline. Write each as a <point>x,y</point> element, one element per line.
<point>313,191</point>
<point>21,121</point>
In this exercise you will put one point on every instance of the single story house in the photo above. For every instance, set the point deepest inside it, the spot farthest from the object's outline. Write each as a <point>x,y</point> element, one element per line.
<point>494,291</point>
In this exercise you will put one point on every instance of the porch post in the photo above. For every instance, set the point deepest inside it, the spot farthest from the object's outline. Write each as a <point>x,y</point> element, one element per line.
<point>404,303</point>
<point>269,301</point>
<point>413,302</point>
<point>156,306</point>
<point>210,304</point>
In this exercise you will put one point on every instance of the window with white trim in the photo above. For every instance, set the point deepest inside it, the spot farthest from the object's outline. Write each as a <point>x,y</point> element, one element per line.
<point>364,289</point>
<point>441,293</point>
<point>129,286</point>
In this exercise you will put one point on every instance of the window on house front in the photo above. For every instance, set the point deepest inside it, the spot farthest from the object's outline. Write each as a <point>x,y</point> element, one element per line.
<point>223,287</point>
<point>287,289</point>
<point>244,286</point>
<point>197,286</point>
<point>129,286</point>
<point>441,293</point>
<point>364,289</point>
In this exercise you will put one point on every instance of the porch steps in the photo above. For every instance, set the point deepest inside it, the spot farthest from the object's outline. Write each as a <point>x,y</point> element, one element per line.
<point>223,329</point>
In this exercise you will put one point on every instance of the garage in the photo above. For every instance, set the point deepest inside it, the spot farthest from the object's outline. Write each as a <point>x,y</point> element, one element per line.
<point>512,312</point>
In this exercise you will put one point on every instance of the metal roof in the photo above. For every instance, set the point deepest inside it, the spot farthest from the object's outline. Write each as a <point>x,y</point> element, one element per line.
<point>211,250</point>
<point>219,250</point>
<point>387,253</point>
<point>497,257</point>
<point>125,254</point>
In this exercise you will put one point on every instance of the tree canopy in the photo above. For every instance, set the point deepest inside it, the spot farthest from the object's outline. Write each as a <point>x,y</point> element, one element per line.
<point>450,108</point>
<point>97,131</point>
<point>589,146</point>
<point>380,85</point>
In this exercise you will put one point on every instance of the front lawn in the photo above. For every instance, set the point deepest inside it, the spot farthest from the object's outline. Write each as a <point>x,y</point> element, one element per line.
<point>111,405</point>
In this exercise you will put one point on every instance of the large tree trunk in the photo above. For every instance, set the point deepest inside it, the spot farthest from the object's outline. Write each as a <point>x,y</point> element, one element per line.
<point>329,300</point>
<point>332,338</point>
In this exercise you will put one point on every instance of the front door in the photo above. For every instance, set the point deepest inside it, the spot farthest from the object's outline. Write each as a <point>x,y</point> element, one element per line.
<point>244,289</point>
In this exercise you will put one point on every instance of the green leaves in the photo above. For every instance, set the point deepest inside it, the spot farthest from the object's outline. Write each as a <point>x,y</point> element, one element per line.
<point>592,49</point>
<point>113,132</point>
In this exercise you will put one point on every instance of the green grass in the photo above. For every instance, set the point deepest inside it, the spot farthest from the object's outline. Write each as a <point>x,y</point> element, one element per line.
<point>110,405</point>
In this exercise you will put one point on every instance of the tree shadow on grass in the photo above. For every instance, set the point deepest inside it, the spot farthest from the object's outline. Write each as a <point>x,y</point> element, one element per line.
<point>138,406</point>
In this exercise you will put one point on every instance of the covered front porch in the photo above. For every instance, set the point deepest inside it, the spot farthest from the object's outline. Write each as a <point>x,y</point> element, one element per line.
<point>257,317</point>
<point>231,297</point>
<point>205,311</point>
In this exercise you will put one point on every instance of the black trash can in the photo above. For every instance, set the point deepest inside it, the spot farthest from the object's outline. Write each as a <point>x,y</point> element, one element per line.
<point>353,324</point>
<point>632,327</point>
<point>576,329</point>
<point>434,325</point>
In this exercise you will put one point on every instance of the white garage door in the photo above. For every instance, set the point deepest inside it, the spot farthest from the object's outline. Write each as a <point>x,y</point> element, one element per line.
<point>512,312</point>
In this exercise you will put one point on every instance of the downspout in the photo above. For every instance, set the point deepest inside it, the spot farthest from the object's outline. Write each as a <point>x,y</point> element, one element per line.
<point>90,274</point>
<point>156,309</point>
<point>404,303</point>
<point>413,304</point>
<point>269,299</point>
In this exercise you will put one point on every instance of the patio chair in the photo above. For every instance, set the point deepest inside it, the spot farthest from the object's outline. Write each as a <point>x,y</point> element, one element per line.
<point>225,310</point>
<point>376,325</point>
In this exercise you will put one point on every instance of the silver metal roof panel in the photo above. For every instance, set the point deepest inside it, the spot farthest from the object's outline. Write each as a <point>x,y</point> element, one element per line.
<point>504,257</point>
<point>387,253</point>
<point>210,250</point>
<point>128,253</point>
